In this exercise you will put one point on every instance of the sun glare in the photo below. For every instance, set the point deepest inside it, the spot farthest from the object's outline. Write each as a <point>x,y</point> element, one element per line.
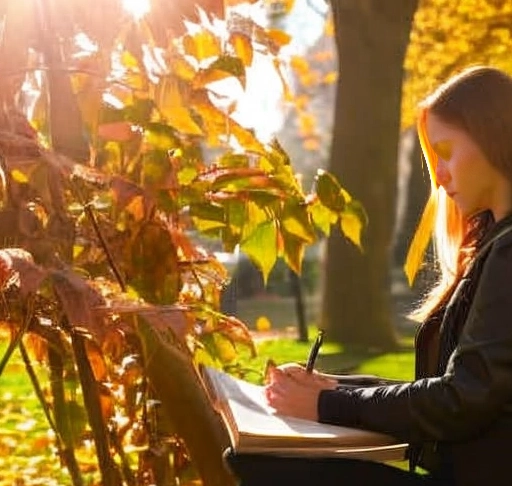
<point>137,8</point>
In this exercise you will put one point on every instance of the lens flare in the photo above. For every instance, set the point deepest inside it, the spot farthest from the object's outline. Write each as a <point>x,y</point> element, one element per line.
<point>137,8</point>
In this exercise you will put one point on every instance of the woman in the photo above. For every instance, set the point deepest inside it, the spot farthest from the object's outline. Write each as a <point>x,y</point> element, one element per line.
<point>457,414</point>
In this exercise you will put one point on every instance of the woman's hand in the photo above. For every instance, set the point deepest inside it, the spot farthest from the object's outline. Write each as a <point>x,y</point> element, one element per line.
<point>293,391</point>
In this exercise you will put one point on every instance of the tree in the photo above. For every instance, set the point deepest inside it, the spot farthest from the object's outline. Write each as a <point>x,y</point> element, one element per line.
<point>371,39</point>
<point>448,36</point>
<point>112,151</point>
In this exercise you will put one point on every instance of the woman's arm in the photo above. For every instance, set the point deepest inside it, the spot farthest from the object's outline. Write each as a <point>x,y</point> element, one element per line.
<point>472,392</point>
<point>474,389</point>
<point>360,380</point>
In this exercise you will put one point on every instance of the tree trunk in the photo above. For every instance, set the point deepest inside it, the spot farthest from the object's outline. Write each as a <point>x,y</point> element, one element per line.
<point>185,403</point>
<point>371,38</point>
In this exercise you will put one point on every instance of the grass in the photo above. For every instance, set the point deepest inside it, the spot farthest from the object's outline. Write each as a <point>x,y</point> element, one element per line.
<point>333,358</point>
<point>27,451</point>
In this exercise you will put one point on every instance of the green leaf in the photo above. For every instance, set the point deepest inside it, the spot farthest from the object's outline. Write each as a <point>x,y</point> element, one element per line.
<point>223,67</point>
<point>261,247</point>
<point>323,217</point>
<point>230,65</point>
<point>232,160</point>
<point>160,137</point>
<point>186,175</point>
<point>296,221</point>
<point>154,170</point>
<point>254,216</point>
<point>207,216</point>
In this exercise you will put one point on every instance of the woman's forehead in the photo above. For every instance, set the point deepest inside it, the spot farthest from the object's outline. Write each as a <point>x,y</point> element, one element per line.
<point>439,130</point>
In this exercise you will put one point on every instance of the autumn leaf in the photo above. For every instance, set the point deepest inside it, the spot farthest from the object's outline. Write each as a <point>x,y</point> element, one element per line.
<point>242,47</point>
<point>322,216</point>
<point>279,37</point>
<point>263,324</point>
<point>203,45</point>
<point>353,220</point>
<point>19,176</point>
<point>296,221</point>
<point>329,191</point>
<point>293,251</point>
<point>236,331</point>
<point>121,131</point>
<point>234,3</point>
<point>221,68</point>
<point>225,350</point>
<point>170,102</point>
<point>261,247</point>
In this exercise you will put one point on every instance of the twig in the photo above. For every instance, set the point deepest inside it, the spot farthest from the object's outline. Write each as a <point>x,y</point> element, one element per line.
<point>113,265</point>
<point>17,338</point>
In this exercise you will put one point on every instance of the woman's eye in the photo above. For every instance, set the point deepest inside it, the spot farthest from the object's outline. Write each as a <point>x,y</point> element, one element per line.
<point>443,150</point>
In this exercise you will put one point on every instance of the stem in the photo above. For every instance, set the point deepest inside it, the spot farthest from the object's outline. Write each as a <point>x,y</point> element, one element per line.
<point>127,472</point>
<point>113,265</point>
<point>62,423</point>
<point>109,471</point>
<point>39,392</point>
<point>17,338</point>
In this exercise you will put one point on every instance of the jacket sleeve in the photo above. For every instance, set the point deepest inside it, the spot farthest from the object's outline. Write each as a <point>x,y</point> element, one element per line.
<point>476,385</point>
<point>360,381</point>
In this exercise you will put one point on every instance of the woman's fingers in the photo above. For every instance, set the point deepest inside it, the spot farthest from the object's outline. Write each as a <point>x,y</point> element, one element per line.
<point>289,397</point>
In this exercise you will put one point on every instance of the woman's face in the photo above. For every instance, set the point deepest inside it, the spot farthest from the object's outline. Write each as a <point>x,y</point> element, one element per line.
<point>465,173</point>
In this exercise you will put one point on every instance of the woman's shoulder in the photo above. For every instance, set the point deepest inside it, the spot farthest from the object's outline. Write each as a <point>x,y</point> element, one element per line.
<point>503,239</point>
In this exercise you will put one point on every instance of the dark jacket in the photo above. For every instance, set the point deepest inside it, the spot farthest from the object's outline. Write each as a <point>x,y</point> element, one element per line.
<point>457,414</point>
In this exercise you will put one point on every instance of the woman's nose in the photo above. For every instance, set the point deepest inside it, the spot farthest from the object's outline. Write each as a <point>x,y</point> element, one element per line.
<point>442,173</point>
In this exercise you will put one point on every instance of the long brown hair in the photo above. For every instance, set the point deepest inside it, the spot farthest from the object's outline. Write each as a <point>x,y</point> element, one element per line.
<point>479,101</point>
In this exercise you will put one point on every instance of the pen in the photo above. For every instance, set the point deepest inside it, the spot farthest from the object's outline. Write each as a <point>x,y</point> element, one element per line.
<point>314,352</point>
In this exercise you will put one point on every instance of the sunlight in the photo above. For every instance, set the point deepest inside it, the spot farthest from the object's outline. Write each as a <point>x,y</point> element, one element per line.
<point>137,8</point>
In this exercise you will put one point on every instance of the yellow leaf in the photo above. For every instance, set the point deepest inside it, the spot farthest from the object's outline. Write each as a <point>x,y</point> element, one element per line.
<point>352,227</point>
<point>263,324</point>
<point>183,69</point>
<point>136,208</point>
<point>242,46</point>
<point>279,37</point>
<point>331,78</point>
<point>225,348</point>
<point>294,249</point>
<point>180,119</point>
<point>262,247</point>
<point>299,64</point>
<point>19,176</point>
<point>202,45</point>
<point>170,102</point>
<point>129,61</point>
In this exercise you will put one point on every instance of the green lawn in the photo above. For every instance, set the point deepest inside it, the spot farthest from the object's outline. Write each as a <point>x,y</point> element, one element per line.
<point>333,358</point>
<point>27,448</point>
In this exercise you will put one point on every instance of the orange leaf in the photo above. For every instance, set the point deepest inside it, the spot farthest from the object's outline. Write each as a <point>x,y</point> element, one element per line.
<point>243,47</point>
<point>118,131</point>
<point>203,45</point>
<point>236,331</point>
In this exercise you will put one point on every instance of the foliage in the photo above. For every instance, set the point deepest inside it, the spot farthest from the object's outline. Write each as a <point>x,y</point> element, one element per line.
<point>116,152</point>
<point>25,443</point>
<point>448,36</point>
